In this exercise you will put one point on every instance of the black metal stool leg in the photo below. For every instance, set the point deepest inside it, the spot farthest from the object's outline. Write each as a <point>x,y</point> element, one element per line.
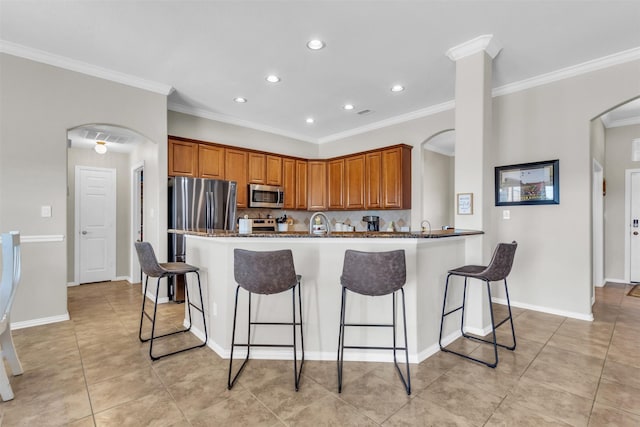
<point>341,339</point>
<point>231,382</point>
<point>407,381</point>
<point>143,313</point>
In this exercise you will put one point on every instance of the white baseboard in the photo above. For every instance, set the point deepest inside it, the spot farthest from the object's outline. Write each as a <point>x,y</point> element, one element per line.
<point>38,322</point>
<point>70,284</point>
<point>161,300</point>
<point>123,278</point>
<point>571,314</point>
<point>626,282</point>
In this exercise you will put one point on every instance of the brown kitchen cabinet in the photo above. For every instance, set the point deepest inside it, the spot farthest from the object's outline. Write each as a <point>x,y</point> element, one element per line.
<point>289,183</point>
<point>317,185</point>
<point>274,170</point>
<point>211,161</point>
<point>301,200</point>
<point>236,170</point>
<point>373,180</point>
<point>183,158</point>
<point>257,169</point>
<point>335,183</point>
<point>396,178</point>
<point>354,182</point>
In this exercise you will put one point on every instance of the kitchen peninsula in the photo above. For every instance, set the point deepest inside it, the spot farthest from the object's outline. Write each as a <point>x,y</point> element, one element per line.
<point>319,259</point>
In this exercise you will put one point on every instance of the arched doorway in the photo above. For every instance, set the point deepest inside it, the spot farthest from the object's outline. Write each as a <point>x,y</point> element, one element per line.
<point>612,134</point>
<point>104,202</point>
<point>438,167</point>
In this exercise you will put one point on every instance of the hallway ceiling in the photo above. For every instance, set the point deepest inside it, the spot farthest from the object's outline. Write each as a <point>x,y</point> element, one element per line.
<point>210,52</point>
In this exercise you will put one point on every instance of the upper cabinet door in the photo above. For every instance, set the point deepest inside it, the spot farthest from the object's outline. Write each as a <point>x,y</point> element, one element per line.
<point>301,184</point>
<point>183,158</point>
<point>354,182</point>
<point>373,180</point>
<point>336,184</point>
<point>210,161</point>
<point>289,183</point>
<point>236,170</point>
<point>317,185</point>
<point>396,178</point>
<point>257,168</point>
<point>274,170</point>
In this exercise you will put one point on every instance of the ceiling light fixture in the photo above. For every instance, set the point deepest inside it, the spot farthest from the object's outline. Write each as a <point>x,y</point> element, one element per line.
<point>315,44</point>
<point>101,147</point>
<point>310,120</point>
<point>240,100</point>
<point>272,78</point>
<point>348,107</point>
<point>397,88</point>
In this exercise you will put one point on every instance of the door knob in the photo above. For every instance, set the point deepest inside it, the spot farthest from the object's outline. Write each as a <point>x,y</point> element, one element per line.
<point>84,232</point>
<point>635,233</point>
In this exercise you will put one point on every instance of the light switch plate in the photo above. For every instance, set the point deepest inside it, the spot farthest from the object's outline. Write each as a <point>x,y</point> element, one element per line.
<point>506,214</point>
<point>45,211</point>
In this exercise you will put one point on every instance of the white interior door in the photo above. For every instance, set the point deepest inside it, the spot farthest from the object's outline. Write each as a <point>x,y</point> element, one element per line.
<point>95,224</point>
<point>635,227</point>
<point>598,228</point>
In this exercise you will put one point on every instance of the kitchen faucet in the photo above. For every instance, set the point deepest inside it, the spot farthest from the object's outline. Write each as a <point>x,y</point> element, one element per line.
<point>326,221</point>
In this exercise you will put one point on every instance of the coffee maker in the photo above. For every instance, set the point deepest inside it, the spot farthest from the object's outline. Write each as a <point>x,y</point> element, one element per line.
<point>373,222</point>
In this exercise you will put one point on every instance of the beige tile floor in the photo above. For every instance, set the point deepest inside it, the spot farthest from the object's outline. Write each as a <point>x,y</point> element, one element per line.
<point>92,370</point>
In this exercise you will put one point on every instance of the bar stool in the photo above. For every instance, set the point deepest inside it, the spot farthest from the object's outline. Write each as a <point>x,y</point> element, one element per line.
<point>266,273</point>
<point>498,269</point>
<point>150,266</point>
<point>374,274</point>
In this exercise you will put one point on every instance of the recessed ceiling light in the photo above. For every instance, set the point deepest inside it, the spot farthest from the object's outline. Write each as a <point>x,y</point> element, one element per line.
<point>240,100</point>
<point>315,44</point>
<point>397,88</point>
<point>272,78</point>
<point>348,106</point>
<point>310,120</point>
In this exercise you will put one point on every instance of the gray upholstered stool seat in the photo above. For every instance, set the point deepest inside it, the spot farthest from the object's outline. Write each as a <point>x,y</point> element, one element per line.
<point>266,273</point>
<point>374,274</point>
<point>498,269</point>
<point>152,268</point>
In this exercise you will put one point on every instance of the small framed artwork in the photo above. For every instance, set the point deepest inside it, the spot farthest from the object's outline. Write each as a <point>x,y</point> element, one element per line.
<point>465,203</point>
<point>528,184</point>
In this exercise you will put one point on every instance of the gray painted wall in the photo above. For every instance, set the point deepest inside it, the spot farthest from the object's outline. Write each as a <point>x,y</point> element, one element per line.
<point>39,103</point>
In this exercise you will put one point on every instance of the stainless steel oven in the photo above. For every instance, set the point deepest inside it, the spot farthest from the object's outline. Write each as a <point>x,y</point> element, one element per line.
<point>265,196</point>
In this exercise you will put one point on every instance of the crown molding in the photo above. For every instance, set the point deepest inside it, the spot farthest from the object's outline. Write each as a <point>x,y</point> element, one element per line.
<point>83,67</point>
<point>205,114</point>
<point>568,72</point>
<point>434,109</point>
<point>485,43</point>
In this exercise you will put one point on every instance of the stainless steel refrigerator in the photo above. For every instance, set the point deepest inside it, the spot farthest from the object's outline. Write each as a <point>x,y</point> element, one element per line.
<point>197,204</point>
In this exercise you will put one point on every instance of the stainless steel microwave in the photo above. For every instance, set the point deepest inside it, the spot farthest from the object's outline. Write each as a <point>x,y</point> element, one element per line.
<point>265,196</point>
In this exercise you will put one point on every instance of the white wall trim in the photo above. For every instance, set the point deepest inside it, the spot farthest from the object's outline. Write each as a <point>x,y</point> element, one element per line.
<point>134,265</point>
<point>485,43</point>
<point>205,114</point>
<point>568,72</point>
<point>571,314</point>
<point>83,67</point>
<point>424,112</point>
<point>611,280</point>
<point>44,238</point>
<point>152,298</point>
<point>38,322</point>
<point>122,278</point>
<point>609,123</point>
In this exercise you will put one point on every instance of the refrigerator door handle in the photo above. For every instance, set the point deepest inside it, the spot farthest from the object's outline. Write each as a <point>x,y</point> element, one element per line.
<point>208,207</point>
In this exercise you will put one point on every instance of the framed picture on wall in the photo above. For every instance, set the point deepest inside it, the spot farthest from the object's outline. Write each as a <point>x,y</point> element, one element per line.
<point>528,184</point>
<point>464,203</point>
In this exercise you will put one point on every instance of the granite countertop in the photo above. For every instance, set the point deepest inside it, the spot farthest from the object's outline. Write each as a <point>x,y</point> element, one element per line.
<point>435,234</point>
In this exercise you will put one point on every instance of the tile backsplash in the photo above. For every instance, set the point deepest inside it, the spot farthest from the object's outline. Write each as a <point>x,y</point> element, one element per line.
<point>301,219</point>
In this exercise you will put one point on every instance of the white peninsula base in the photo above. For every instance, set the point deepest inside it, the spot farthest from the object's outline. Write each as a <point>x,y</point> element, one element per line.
<point>319,261</point>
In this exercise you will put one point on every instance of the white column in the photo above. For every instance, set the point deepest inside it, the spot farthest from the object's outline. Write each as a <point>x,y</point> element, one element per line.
<point>474,61</point>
